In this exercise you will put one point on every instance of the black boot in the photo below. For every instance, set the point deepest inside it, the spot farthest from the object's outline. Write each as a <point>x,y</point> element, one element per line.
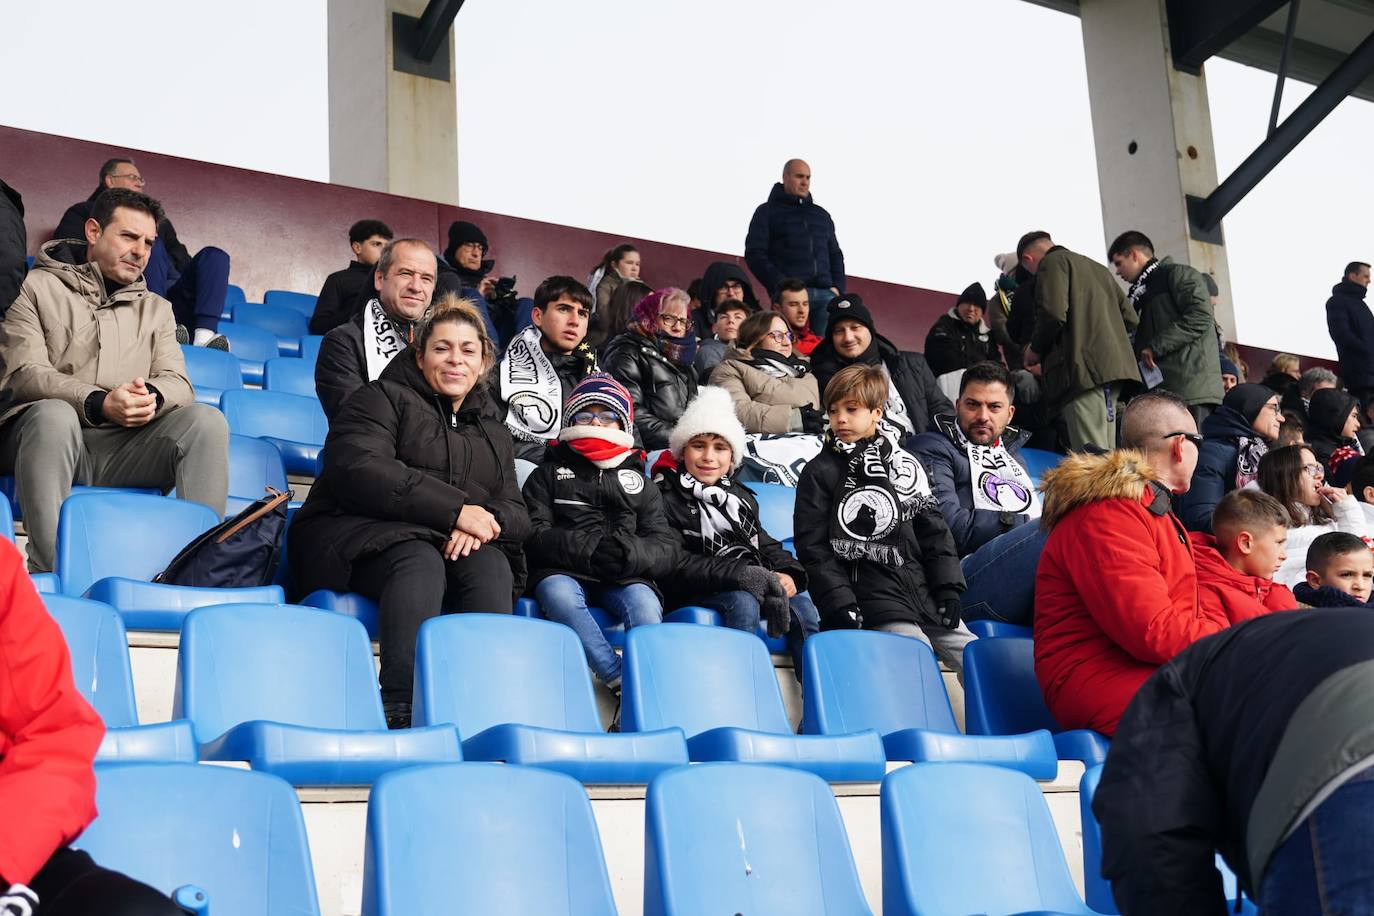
<point>397,714</point>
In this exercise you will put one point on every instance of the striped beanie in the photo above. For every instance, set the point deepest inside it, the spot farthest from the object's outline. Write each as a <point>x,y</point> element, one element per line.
<point>600,389</point>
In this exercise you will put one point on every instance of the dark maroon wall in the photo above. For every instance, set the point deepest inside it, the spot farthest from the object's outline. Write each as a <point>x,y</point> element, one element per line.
<point>286,233</point>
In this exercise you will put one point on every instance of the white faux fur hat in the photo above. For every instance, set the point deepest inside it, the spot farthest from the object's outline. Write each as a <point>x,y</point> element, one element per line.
<point>711,411</point>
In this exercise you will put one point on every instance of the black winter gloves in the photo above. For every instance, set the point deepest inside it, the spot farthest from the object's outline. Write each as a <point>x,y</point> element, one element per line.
<point>948,608</point>
<point>610,559</point>
<point>848,618</point>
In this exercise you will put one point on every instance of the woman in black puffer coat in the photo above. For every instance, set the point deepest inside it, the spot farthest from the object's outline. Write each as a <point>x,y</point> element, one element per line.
<point>1333,422</point>
<point>653,360</point>
<point>417,507</point>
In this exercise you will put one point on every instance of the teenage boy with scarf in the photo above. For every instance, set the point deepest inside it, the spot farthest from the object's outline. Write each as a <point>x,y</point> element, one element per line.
<point>869,531</point>
<point>599,531</point>
<point>732,564</point>
<point>541,366</point>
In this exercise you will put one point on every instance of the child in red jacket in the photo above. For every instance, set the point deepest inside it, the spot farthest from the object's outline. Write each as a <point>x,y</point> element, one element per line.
<point>1235,569</point>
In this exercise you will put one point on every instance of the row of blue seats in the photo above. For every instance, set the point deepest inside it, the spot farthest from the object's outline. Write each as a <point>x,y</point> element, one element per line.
<point>215,371</point>
<point>719,838</point>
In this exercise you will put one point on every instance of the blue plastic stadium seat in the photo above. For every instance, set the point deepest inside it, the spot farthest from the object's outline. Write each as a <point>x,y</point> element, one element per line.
<point>8,489</point>
<point>518,691</point>
<point>6,519</point>
<point>293,691</point>
<point>295,425</point>
<point>483,838</point>
<point>613,629</point>
<point>775,508</point>
<point>995,849</point>
<point>301,303</point>
<point>1002,697</point>
<point>46,583</point>
<point>718,686</point>
<point>238,835</point>
<point>350,604</point>
<point>253,347</point>
<point>987,629</point>
<point>212,372</point>
<point>310,347</point>
<point>1038,461</point>
<point>254,465</point>
<point>859,679</point>
<point>233,298</point>
<point>287,324</point>
<point>290,375</point>
<point>740,838</point>
<point>99,650</point>
<point>95,531</point>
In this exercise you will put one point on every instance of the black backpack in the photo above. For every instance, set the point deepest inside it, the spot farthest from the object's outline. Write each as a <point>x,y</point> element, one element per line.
<point>240,552</point>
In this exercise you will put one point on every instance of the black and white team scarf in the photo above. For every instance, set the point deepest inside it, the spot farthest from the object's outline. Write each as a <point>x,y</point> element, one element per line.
<point>774,364</point>
<point>1138,287</point>
<point>997,481</point>
<point>381,339</point>
<point>531,389</point>
<point>883,486</point>
<point>729,526</point>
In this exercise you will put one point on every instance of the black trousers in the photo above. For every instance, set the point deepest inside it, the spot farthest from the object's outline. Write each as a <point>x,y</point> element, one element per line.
<point>71,884</point>
<point>412,582</point>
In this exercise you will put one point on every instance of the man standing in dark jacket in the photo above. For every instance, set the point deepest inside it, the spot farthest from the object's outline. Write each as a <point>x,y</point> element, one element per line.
<point>1352,330</point>
<point>13,246</point>
<point>790,235</point>
<point>346,291</point>
<point>1256,743</point>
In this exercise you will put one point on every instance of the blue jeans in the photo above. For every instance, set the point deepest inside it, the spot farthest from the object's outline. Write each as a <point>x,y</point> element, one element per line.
<point>1000,576</point>
<point>564,599</point>
<point>820,307</point>
<point>1326,866</point>
<point>740,611</point>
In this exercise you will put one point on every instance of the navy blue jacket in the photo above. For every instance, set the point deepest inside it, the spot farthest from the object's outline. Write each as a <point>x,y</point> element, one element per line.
<point>1215,475</point>
<point>792,236</point>
<point>947,464</point>
<point>1351,326</point>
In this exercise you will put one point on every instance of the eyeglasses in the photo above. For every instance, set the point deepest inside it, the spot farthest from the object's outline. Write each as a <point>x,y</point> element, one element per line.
<point>1316,471</point>
<point>781,336</point>
<point>598,417</point>
<point>132,176</point>
<point>672,321</point>
<point>1191,437</point>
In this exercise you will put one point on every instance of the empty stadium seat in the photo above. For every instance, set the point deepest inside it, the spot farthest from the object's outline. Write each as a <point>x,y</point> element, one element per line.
<point>737,838</point>
<point>518,691</point>
<point>859,679</point>
<point>613,629</point>
<point>1002,697</point>
<point>46,583</point>
<point>301,303</point>
<point>969,838</point>
<point>238,835</point>
<point>9,489</point>
<point>775,508</point>
<point>310,347</point>
<point>293,691</point>
<point>110,545</point>
<point>718,686</point>
<point>350,604</point>
<point>254,465</point>
<point>483,838</point>
<point>211,372</point>
<point>295,425</point>
<point>985,629</point>
<point>233,298</point>
<point>287,324</point>
<point>290,375</point>
<point>6,519</point>
<point>1038,461</point>
<point>253,346</point>
<point>99,650</point>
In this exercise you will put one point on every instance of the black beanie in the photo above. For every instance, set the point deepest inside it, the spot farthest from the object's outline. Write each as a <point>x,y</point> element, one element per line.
<point>851,307</point>
<point>1248,399</point>
<point>1328,410</point>
<point>974,293</point>
<point>461,233</point>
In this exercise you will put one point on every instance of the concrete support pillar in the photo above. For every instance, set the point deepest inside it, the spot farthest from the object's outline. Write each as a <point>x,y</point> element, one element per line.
<point>389,130</point>
<point>1153,132</point>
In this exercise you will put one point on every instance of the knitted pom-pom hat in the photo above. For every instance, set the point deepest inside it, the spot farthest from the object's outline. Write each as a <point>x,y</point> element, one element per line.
<point>711,412</point>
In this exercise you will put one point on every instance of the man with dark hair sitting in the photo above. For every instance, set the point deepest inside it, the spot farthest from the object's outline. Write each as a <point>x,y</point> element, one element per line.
<point>792,301</point>
<point>94,387</point>
<point>346,291</point>
<point>195,285</point>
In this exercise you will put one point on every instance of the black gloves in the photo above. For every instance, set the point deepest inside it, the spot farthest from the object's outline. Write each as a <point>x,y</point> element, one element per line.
<point>813,421</point>
<point>947,608</point>
<point>610,560</point>
<point>776,610</point>
<point>848,618</point>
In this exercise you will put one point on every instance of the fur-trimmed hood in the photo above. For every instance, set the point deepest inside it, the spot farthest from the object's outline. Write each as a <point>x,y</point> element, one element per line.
<point>1082,478</point>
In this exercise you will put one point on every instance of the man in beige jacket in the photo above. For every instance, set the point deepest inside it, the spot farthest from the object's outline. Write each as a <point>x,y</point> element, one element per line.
<point>93,385</point>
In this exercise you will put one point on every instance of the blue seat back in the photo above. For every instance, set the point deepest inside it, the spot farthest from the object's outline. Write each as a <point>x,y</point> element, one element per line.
<point>237,834</point>
<point>310,347</point>
<point>480,670</point>
<point>233,295</point>
<point>274,414</point>
<point>746,838</point>
<point>1001,694</point>
<point>280,663</point>
<point>775,508</point>
<point>254,465</point>
<point>699,678</point>
<point>302,303</point>
<point>970,838</point>
<point>291,375</point>
<point>99,649</point>
<point>858,679</point>
<point>502,839</point>
<point>283,322</point>
<point>6,519</point>
<point>134,535</point>
<point>249,342</point>
<point>1097,890</point>
<point>207,368</point>
<point>1038,461</point>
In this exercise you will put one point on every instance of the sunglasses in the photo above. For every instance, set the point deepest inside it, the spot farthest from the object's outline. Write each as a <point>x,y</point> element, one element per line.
<point>1191,437</point>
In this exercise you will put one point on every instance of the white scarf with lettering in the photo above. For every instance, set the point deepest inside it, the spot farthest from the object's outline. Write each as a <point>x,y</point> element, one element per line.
<point>381,340</point>
<point>997,480</point>
<point>531,389</point>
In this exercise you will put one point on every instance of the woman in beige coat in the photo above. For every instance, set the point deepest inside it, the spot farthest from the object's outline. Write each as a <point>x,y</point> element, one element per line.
<point>773,389</point>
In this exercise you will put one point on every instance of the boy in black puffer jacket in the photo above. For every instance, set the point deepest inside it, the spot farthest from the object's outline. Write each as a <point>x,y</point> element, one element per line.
<point>599,534</point>
<point>869,531</point>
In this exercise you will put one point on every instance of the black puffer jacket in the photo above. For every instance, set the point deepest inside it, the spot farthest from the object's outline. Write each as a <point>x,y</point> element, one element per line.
<point>13,246</point>
<point>910,372</point>
<point>661,389</point>
<point>399,465</point>
<point>341,366</point>
<point>342,297</point>
<point>711,281</point>
<point>884,594</point>
<point>576,509</point>
<point>1327,413</point>
<point>697,575</point>
<point>791,236</point>
<point>954,344</point>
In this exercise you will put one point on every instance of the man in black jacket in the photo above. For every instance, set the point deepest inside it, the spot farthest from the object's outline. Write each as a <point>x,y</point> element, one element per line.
<point>346,291</point>
<point>1254,742</point>
<point>355,353</point>
<point>465,271</point>
<point>960,337</point>
<point>790,235</point>
<point>1351,326</point>
<point>195,285</point>
<point>13,246</point>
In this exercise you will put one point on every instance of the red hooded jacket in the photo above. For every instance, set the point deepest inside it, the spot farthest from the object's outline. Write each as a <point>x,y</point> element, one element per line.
<point>1116,592</point>
<point>1231,593</point>
<point>48,733</point>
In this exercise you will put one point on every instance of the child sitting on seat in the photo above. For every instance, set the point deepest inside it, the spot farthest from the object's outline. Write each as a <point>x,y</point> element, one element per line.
<point>1339,572</point>
<point>732,564</point>
<point>598,528</point>
<point>1236,565</point>
<point>869,531</point>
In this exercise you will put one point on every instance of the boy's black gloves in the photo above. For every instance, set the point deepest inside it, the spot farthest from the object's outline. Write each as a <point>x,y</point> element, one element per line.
<point>948,608</point>
<point>848,618</point>
<point>775,609</point>
<point>813,421</point>
<point>610,560</point>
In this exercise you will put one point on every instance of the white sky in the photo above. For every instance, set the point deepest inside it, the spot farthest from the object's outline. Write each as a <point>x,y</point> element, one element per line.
<point>671,121</point>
